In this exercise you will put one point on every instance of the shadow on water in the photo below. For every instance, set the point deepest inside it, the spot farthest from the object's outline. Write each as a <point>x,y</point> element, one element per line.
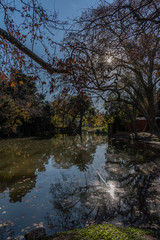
<point>73,181</point>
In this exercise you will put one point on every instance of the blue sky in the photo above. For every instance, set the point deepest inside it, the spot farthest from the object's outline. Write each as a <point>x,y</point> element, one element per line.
<point>68,8</point>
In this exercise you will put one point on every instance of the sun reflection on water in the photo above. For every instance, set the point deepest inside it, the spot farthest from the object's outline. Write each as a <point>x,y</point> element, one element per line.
<point>111,189</point>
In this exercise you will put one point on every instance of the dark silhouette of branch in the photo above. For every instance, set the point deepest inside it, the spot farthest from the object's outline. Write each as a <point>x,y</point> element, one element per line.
<point>7,36</point>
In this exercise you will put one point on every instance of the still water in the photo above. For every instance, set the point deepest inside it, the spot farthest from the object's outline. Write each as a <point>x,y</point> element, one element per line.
<point>70,182</point>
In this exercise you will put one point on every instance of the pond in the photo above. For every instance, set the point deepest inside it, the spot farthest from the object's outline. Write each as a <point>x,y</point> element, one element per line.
<point>70,182</point>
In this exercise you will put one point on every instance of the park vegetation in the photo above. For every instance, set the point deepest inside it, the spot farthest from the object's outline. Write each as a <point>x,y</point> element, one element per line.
<point>25,112</point>
<point>111,52</point>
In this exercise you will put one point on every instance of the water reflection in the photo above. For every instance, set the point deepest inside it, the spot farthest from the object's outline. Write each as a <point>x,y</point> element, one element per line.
<point>74,151</point>
<point>122,192</point>
<point>136,173</point>
<point>67,182</point>
<point>21,160</point>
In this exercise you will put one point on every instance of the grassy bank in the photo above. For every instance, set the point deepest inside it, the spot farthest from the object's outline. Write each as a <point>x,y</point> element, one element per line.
<point>105,232</point>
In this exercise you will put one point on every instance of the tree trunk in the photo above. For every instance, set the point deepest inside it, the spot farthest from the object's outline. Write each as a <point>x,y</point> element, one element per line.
<point>80,123</point>
<point>153,127</point>
<point>133,121</point>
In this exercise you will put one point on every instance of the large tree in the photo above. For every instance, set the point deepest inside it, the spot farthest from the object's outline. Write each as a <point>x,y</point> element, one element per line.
<point>113,57</point>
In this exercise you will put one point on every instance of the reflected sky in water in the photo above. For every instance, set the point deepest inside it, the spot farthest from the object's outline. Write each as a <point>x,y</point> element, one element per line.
<point>72,181</point>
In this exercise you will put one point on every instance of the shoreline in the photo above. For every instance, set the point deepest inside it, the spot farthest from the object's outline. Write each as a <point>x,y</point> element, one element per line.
<point>97,232</point>
<point>144,137</point>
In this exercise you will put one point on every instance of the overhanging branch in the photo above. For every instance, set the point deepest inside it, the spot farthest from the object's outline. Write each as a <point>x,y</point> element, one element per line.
<point>7,36</point>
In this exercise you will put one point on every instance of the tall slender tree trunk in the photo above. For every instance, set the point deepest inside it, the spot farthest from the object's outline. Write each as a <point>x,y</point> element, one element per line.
<point>134,122</point>
<point>153,127</point>
<point>80,123</point>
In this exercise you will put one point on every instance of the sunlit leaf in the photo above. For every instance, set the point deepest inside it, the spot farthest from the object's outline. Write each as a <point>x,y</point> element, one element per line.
<point>33,205</point>
<point>13,84</point>
<point>21,82</point>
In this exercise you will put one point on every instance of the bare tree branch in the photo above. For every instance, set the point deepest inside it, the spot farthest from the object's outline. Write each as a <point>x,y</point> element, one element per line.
<point>5,35</point>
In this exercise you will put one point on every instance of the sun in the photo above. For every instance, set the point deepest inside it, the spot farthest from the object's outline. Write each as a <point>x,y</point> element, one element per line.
<point>109,60</point>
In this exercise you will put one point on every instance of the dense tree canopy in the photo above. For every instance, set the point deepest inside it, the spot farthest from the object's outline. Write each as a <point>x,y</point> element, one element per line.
<point>22,109</point>
<point>70,111</point>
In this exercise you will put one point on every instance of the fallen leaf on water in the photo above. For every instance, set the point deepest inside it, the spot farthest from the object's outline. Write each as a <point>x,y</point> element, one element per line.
<point>25,180</point>
<point>35,196</point>
<point>31,205</point>
<point>20,237</point>
<point>27,201</point>
<point>4,212</point>
<point>28,227</point>
<point>37,225</point>
<point>5,191</point>
<point>37,190</point>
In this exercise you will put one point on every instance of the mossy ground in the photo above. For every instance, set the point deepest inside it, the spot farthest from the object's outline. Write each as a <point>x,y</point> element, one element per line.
<point>105,232</point>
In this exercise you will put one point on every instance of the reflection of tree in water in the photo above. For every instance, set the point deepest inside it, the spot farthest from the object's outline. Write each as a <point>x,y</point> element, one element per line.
<point>19,161</point>
<point>135,151</point>
<point>74,150</point>
<point>136,176</point>
<point>6,231</point>
<point>75,203</point>
<point>122,192</point>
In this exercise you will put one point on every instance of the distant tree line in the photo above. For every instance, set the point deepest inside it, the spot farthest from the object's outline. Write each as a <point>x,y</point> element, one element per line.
<point>24,111</point>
